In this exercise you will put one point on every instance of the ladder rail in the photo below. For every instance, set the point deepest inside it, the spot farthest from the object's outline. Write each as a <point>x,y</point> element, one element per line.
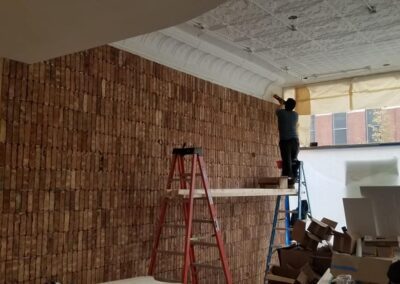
<point>288,237</point>
<point>161,220</point>
<point>305,186</point>
<point>299,203</point>
<point>188,234</point>
<point>216,227</point>
<point>193,269</point>
<point>272,237</point>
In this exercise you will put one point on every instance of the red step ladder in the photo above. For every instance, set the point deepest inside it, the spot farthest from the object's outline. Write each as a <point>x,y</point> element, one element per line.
<point>178,162</point>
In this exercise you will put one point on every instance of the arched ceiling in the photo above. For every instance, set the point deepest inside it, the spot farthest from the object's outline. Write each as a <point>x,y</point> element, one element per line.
<point>32,31</point>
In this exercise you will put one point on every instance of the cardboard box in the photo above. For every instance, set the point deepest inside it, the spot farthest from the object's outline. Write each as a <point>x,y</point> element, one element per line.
<point>388,252</point>
<point>307,275</point>
<point>310,241</point>
<point>299,230</point>
<point>368,250</point>
<point>344,242</point>
<point>322,259</point>
<point>276,279</point>
<point>329,222</point>
<point>382,241</point>
<point>321,229</point>
<point>368,269</point>
<point>279,275</point>
<point>378,251</point>
<point>294,257</point>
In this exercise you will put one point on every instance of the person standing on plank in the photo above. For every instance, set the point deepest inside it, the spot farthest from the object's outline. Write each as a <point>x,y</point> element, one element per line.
<point>288,137</point>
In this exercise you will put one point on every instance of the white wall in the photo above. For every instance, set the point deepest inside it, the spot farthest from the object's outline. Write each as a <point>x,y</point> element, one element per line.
<point>334,173</point>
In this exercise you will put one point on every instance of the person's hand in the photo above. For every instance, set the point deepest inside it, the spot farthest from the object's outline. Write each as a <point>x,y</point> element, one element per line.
<point>279,99</point>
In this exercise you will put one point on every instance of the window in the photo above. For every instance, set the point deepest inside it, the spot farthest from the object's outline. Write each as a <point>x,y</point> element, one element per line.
<point>340,128</point>
<point>312,128</point>
<point>373,119</point>
<point>382,125</point>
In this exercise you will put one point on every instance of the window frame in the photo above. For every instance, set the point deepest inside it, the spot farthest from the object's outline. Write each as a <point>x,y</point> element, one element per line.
<point>334,128</point>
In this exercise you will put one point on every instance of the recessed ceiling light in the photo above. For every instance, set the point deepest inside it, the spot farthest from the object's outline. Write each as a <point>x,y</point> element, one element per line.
<point>199,25</point>
<point>371,9</point>
<point>292,25</point>
<point>248,49</point>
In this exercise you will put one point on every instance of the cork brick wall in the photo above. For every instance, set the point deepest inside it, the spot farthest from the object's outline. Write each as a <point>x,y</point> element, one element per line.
<point>85,147</point>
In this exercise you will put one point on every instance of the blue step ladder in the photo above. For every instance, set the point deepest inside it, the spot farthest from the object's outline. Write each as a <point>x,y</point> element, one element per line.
<point>300,213</point>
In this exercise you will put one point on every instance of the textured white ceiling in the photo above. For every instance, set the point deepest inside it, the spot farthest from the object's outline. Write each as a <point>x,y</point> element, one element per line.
<point>249,45</point>
<point>333,38</point>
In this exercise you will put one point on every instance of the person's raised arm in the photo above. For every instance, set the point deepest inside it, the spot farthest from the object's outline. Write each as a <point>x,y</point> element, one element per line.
<point>279,99</point>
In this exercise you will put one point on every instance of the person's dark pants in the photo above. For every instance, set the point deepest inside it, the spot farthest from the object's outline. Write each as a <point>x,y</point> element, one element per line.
<point>289,151</point>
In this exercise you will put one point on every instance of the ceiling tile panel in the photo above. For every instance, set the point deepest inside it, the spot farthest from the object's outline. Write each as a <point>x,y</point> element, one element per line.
<point>300,8</point>
<point>273,53</point>
<point>230,33</point>
<point>264,25</point>
<point>324,28</point>
<point>341,40</point>
<point>236,12</point>
<point>288,38</point>
<point>348,7</point>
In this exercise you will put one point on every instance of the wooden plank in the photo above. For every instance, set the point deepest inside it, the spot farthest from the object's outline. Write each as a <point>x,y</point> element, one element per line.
<point>238,192</point>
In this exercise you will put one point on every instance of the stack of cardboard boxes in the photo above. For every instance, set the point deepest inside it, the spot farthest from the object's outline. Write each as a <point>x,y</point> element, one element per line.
<point>309,257</point>
<point>372,243</point>
<point>321,246</point>
<point>370,262</point>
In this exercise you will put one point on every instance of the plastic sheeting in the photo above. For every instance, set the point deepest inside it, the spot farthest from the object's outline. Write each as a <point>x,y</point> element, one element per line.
<point>367,92</point>
<point>370,172</point>
<point>329,179</point>
<point>377,91</point>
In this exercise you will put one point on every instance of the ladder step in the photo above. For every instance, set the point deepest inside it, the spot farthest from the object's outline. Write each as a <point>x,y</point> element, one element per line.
<point>179,179</point>
<point>171,252</point>
<point>204,265</point>
<point>288,211</point>
<point>283,229</point>
<point>167,280</point>
<point>188,151</point>
<point>178,226</point>
<point>168,237</point>
<point>185,177</point>
<point>203,221</point>
<point>201,243</point>
<point>198,238</point>
<point>190,174</point>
